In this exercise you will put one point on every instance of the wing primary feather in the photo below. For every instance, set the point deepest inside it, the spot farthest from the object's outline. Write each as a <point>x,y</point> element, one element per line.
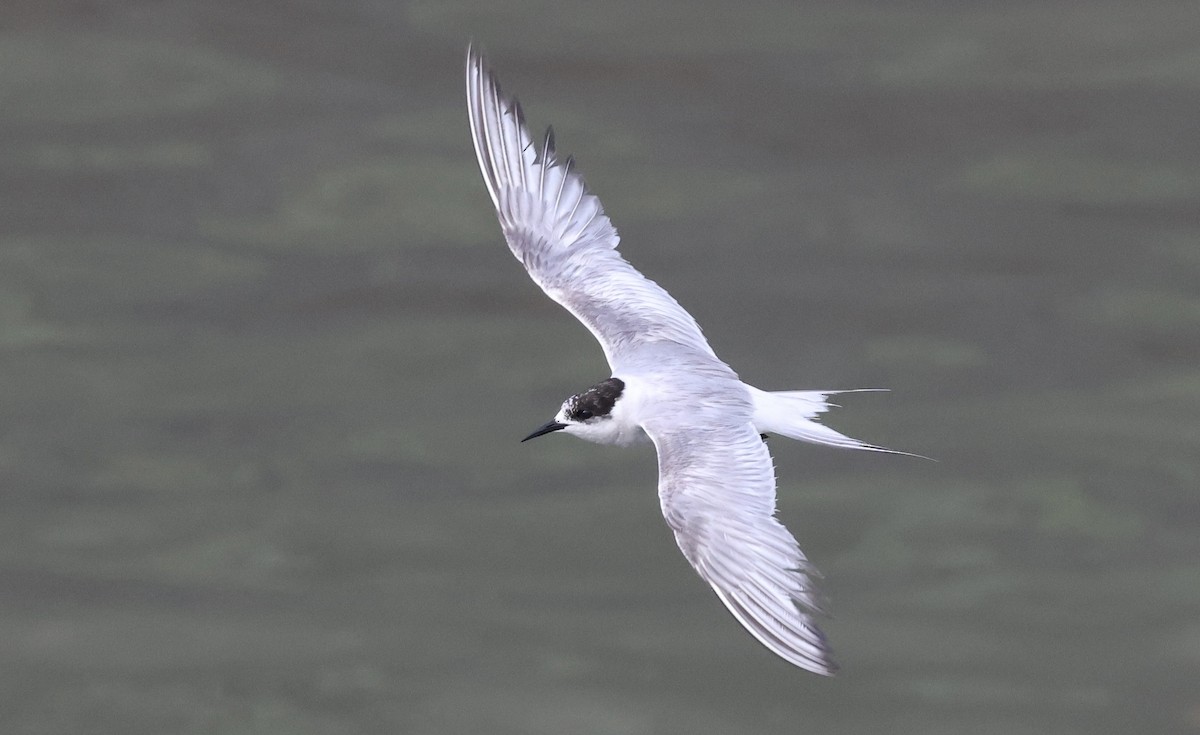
<point>588,223</point>
<point>567,166</point>
<point>816,662</point>
<point>475,81</point>
<point>496,142</point>
<point>548,146</point>
<point>547,160</point>
<point>518,116</point>
<point>582,194</point>
<point>489,102</point>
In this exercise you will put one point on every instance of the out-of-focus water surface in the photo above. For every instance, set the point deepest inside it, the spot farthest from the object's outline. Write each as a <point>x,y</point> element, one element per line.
<point>264,362</point>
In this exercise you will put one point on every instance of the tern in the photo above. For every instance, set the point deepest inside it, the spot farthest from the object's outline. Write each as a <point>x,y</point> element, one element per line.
<point>716,480</point>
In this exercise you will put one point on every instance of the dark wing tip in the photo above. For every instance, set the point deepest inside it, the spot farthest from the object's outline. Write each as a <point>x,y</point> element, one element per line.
<point>514,109</point>
<point>509,104</point>
<point>475,55</point>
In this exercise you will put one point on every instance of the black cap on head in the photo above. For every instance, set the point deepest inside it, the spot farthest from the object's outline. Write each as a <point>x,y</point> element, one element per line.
<point>596,401</point>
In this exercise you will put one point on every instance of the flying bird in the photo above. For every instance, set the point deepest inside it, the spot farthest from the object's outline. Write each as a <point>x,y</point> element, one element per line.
<point>716,481</point>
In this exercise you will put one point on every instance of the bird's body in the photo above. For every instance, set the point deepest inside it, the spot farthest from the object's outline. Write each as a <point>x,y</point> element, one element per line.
<point>716,478</point>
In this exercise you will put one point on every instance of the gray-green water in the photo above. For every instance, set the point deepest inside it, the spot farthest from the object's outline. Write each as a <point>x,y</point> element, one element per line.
<point>264,362</point>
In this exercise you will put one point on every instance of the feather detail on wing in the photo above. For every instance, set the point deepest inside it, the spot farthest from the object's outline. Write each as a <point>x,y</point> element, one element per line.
<point>717,489</point>
<point>560,233</point>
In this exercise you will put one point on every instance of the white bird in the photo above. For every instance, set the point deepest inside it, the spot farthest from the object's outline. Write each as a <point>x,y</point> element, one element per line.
<point>716,480</point>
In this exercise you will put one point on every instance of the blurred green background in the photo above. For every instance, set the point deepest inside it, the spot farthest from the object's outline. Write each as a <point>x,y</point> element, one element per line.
<point>265,362</point>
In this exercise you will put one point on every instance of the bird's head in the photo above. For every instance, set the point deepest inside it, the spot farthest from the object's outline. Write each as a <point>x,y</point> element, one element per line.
<point>589,415</point>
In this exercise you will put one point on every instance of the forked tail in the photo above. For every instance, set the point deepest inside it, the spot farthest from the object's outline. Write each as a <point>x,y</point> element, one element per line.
<point>793,413</point>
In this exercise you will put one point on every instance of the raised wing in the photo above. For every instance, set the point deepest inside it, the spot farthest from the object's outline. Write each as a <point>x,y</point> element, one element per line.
<point>559,231</point>
<point>717,489</point>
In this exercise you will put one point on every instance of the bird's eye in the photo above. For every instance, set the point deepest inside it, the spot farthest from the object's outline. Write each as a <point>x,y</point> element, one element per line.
<point>585,414</point>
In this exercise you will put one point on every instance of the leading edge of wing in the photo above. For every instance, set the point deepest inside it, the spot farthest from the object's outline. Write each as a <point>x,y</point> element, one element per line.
<point>559,231</point>
<point>717,490</point>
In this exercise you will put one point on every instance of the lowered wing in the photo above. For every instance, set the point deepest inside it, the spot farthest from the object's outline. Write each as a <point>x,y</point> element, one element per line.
<point>717,488</point>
